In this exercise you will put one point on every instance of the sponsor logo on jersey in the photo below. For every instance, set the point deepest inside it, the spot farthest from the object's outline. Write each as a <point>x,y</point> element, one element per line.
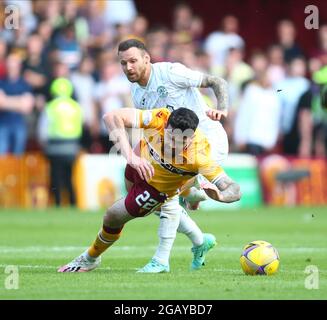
<point>168,166</point>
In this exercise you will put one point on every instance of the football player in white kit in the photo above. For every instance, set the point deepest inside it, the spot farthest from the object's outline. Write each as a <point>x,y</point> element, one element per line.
<point>174,85</point>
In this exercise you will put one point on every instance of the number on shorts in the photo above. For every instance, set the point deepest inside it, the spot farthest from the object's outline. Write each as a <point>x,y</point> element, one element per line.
<point>145,202</point>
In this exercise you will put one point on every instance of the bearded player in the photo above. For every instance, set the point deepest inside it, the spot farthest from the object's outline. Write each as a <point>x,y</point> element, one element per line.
<point>173,85</point>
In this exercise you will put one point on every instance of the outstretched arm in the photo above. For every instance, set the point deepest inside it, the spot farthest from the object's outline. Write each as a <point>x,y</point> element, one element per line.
<point>116,121</point>
<point>220,88</point>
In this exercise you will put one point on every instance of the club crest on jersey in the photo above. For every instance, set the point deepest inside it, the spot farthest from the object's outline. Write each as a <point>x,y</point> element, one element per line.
<point>162,91</point>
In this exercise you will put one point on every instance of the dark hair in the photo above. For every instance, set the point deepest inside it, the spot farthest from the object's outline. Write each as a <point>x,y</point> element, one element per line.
<point>131,43</point>
<point>183,119</point>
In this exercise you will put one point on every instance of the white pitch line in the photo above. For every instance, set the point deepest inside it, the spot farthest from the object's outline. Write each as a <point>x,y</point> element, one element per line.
<point>220,270</point>
<point>47,249</point>
<point>24,266</point>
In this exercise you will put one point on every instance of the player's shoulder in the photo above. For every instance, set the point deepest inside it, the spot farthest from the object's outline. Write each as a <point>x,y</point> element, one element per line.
<point>155,118</point>
<point>159,66</point>
<point>161,113</point>
<point>161,70</point>
<point>165,68</point>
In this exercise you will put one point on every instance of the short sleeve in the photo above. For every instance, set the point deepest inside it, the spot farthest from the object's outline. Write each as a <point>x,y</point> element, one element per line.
<point>155,118</point>
<point>184,77</point>
<point>210,170</point>
<point>205,165</point>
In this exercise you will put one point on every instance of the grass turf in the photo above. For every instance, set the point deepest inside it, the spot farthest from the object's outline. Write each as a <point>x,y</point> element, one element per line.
<point>40,241</point>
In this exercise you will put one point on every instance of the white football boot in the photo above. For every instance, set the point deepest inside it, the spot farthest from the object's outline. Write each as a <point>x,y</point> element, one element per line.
<point>81,264</point>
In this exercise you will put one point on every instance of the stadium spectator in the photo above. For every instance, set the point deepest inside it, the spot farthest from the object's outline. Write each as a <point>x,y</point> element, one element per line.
<point>139,27</point>
<point>289,92</point>
<point>236,72</point>
<point>122,32</point>
<point>182,18</point>
<point>36,72</point>
<point>158,41</point>
<point>203,61</point>
<point>16,101</point>
<point>84,86</point>
<point>45,31</point>
<point>286,34</point>
<point>35,67</point>
<point>119,12</point>
<point>58,70</point>
<point>257,119</point>
<point>68,49</point>
<point>197,31</point>
<point>70,15</point>
<point>276,69</point>
<point>321,52</point>
<point>218,43</point>
<point>49,11</point>
<point>98,34</point>
<point>307,135</point>
<point>60,128</point>
<point>110,93</point>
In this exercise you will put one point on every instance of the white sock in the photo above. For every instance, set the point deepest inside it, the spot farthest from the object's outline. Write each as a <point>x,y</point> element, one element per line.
<point>169,221</point>
<point>189,228</point>
<point>167,234</point>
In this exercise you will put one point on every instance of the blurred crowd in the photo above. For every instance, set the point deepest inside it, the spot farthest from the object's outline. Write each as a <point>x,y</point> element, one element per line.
<point>275,92</point>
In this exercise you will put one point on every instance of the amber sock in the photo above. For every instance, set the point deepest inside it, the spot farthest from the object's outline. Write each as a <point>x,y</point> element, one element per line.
<point>105,239</point>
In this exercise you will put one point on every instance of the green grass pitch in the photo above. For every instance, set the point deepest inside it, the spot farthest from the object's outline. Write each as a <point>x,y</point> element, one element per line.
<point>40,241</point>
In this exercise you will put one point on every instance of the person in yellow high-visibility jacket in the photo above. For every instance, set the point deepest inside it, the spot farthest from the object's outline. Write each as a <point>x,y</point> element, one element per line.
<point>60,130</point>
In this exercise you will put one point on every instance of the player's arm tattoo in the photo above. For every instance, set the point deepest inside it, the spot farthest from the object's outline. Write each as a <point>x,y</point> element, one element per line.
<point>220,88</point>
<point>229,190</point>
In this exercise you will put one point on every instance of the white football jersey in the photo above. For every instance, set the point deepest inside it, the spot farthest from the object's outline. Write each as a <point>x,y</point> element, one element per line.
<point>173,85</point>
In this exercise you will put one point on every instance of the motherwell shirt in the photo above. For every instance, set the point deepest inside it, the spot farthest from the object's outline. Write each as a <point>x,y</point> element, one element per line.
<point>173,169</point>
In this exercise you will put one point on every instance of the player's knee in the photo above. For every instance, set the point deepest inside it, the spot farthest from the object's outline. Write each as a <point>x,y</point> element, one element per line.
<point>112,217</point>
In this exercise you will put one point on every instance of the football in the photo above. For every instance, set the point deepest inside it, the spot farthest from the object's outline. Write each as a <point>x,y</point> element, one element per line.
<point>259,258</point>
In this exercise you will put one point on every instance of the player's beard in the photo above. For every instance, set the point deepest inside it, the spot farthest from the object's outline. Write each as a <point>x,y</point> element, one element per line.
<point>137,78</point>
<point>142,74</point>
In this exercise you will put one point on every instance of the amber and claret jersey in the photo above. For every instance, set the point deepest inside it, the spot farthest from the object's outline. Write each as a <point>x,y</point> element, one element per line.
<point>173,168</point>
